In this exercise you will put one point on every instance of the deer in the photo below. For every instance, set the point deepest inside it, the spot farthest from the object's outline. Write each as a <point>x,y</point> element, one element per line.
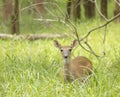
<point>76,69</point>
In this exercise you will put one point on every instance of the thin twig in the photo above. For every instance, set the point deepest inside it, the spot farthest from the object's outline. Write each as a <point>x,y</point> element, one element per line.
<point>101,26</point>
<point>73,27</point>
<point>99,11</point>
<point>118,2</point>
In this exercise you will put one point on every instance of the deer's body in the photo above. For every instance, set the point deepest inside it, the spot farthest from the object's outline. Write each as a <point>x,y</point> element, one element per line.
<point>78,68</point>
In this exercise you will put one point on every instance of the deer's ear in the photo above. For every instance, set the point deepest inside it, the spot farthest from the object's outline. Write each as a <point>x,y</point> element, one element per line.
<point>56,43</point>
<point>74,43</point>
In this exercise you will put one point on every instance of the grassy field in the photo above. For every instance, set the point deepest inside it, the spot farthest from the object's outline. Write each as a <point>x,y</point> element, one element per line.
<point>33,69</point>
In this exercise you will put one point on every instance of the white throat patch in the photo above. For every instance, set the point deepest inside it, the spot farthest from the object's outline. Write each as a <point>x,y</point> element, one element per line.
<point>67,60</point>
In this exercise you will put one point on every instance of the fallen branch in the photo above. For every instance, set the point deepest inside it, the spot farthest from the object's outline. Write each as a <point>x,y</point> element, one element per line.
<point>31,36</point>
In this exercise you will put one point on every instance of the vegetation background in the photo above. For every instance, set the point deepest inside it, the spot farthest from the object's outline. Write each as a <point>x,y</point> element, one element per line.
<point>33,68</point>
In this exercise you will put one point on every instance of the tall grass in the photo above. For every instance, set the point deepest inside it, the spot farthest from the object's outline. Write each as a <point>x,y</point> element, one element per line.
<point>33,69</point>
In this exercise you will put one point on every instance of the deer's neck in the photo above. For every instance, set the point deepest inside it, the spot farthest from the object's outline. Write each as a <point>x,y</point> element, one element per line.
<point>66,69</point>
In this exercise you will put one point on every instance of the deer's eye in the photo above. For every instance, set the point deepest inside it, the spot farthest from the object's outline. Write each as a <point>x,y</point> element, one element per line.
<point>61,50</point>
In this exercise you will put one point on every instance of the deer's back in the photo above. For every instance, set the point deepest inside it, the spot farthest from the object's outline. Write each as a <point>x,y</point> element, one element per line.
<point>80,67</point>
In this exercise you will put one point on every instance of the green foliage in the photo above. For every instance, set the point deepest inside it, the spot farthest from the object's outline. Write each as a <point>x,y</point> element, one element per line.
<point>33,69</point>
<point>54,10</point>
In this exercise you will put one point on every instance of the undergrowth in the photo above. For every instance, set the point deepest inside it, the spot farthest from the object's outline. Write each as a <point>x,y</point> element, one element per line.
<point>33,69</point>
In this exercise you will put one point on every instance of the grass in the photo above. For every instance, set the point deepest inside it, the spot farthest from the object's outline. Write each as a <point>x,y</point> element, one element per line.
<point>33,69</point>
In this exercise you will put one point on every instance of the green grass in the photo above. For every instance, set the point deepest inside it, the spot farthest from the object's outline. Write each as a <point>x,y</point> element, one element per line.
<point>33,69</point>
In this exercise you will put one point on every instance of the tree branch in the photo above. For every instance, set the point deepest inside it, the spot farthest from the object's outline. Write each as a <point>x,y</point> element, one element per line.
<point>101,26</point>
<point>74,29</point>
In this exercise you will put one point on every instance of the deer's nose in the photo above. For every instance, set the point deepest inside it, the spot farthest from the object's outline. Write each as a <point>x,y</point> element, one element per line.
<point>65,56</point>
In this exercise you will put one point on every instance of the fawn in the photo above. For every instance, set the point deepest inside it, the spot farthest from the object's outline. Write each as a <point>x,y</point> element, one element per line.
<point>78,68</point>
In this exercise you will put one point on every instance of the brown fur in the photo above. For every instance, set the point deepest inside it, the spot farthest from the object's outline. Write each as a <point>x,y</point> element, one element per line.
<point>80,67</point>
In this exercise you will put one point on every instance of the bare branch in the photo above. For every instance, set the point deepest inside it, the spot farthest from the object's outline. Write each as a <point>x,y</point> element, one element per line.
<point>117,2</point>
<point>101,26</point>
<point>99,10</point>
<point>54,20</point>
<point>70,24</point>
